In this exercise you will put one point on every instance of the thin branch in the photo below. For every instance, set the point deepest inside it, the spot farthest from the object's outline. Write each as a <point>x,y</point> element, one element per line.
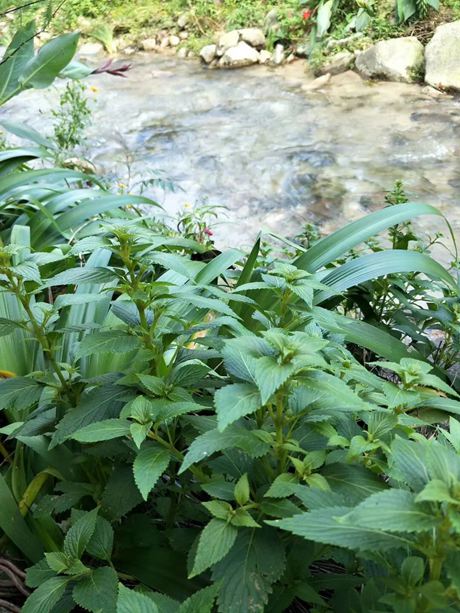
<point>19,8</point>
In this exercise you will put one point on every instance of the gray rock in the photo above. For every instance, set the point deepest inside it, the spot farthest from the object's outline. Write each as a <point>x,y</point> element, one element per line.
<point>183,20</point>
<point>278,55</point>
<point>164,42</point>
<point>442,56</point>
<point>174,41</point>
<point>264,56</point>
<point>239,56</point>
<point>183,35</point>
<point>317,83</point>
<point>253,36</point>
<point>271,20</point>
<point>226,41</point>
<point>398,59</point>
<point>303,50</point>
<point>336,64</point>
<point>149,44</point>
<point>182,53</point>
<point>91,49</point>
<point>208,53</point>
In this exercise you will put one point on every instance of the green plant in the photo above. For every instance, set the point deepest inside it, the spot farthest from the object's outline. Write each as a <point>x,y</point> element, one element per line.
<point>158,404</point>
<point>71,118</point>
<point>21,69</point>
<point>415,9</point>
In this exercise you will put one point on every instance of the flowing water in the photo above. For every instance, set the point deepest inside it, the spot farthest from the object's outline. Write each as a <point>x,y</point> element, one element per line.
<point>258,143</point>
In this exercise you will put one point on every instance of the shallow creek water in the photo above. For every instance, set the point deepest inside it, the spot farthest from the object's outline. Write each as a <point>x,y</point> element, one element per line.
<point>257,142</point>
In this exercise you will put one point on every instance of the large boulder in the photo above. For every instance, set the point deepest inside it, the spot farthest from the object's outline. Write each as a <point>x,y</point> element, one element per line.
<point>241,55</point>
<point>253,36</point>
<point>442,57</point>
<point>208,53</point>
<point>227,40</point>
<point>397,59</point>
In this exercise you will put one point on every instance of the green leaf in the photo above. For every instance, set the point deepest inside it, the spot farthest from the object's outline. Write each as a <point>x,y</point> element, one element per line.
<point>38,573</point>
<point>201,601</point>
<point>323,19</point>
<point>235,401</point>
<point>46,596</point>
<point>255,562</point>
<point>53,57</point>
<point>79,535</point>
<point>270,376</point>
<point>107,341</point>
<point>283,486</point>
<point>327,526</point>
<point>98,591</point>
<point>130,601</point>
<point>216,540</point>
<point>19,393</point>
<point>16,56</point>
<point>218,266</point>
<point>210,442</point>
<point>121,494</point>
<point>102,431</point>
<point>242,490</point>
<point>96,405</point>
<point>407,463</point>
<point>354,483</point>
<point>15,527</point>
<point>334,245</point>
<point>379,264</point>
<point>100,544</point>
<point>393,510</point>
<point>436,491</point>
<point>75,276</point>
<point>150,463</point>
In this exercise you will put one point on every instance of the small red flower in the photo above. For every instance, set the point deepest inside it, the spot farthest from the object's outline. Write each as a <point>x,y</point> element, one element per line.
<point>306,14</point>
<point>208,232</point>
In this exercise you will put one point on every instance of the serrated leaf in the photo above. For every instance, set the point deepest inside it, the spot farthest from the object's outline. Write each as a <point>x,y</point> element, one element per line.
<point>150,463</point>
<point>436,491</point>
<point>130,601</point>
<point>38,574</point>
<point>393,510</point>
<point>98,591</point>
<point>283,486</point>
<point>106,342</point>
<point>216,540</point>
<point>327,526</point>
<point>242,490</point>
<point>46,596</point>
<point>201,601</point>
<point>255,562</point>
<point>102,431</point>
<point>270,376</point>
<point>79,535</point>
<point>121,494</point>
<point>19,393</point>
<point>101,543</point>
<point>213,440</point>
<point>235,401</point>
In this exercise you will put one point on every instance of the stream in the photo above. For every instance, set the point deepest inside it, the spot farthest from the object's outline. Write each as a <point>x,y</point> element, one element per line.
<point>258,143</point>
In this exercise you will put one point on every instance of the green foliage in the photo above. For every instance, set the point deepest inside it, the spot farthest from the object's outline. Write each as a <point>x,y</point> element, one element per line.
<point>71,118</point>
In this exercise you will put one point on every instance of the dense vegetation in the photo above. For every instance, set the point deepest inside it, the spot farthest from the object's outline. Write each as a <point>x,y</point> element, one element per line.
<point>188,430</point>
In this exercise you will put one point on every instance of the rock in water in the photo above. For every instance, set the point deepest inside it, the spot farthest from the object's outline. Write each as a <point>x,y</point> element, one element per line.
<point>208,53</point>
<point>241,55</point>
<point>253,36</point>
<point>278,55</point>
<point>340,62</point>
<point>264,56</point>
<point>149,44</point>
<point>398,59</point>
<point>442,56</point>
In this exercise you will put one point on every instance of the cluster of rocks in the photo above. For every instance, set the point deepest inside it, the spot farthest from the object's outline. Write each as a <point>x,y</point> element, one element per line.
<point>239,48</point>
<point>405,59</point>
